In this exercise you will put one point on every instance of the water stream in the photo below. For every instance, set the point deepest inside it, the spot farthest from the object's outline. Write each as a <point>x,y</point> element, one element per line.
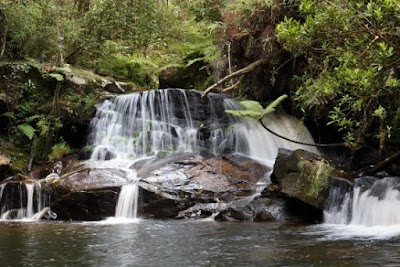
<point>32,204</point>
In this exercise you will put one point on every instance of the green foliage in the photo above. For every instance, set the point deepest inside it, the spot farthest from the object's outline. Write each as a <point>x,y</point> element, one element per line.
<point>254,110</point>
<point>353,73</point>
<point>134,40</point>
<point>136,68</point>
<point>59,150</point>
<point>27,130</point>
<point>58,77</point>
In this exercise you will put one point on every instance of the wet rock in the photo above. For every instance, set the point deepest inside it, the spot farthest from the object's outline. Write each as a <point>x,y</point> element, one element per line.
<point>91,205</point>
<point>381,187</point>
<point>304,176</point>
<point>194,181</point>
<point>260,209</point>
<point>93,179</point>
<point>169,184</point>
<point>86,194</point>
<point>365,182</point>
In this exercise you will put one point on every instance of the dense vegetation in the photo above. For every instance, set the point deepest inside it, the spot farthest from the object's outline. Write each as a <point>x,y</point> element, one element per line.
<point>339,61</point>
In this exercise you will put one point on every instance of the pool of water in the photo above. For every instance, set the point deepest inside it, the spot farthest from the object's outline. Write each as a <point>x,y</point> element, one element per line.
<point>194,243</point>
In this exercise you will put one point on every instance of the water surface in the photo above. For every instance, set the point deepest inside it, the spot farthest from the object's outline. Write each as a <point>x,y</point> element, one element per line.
<point>190,243</point>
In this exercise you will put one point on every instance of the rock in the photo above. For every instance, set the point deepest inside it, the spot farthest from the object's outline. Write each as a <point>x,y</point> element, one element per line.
<point>339,191</point>
<point>168,185</point>
<point>194,180</point>
<point>91,205</point>
<point>5,167</point>
<point>192,76</point>
<point>114,87</point>
<point>4,161</point>
<point>86,194</point>
<point>303,176</point>
<point>76,80</point>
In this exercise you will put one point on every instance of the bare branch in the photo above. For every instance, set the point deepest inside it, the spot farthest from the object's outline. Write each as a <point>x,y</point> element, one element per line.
<point>242,71</point>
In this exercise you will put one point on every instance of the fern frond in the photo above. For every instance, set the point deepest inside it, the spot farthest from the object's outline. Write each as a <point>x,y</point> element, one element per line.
<point>271,107</point>
<point>254,110</point>
<point>27,130</point>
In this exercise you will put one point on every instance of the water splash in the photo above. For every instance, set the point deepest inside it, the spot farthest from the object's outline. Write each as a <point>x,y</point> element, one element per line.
<point>369,204</point>
<point>30,204</point>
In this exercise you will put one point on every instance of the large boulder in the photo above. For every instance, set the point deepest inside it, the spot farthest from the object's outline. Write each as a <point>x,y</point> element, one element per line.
<point>85,194</point>
<point>168,186</point>
<point>304,176</point>
<point>194,179</point>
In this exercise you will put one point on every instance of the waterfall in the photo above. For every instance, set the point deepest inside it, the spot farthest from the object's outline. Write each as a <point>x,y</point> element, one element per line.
<point>257,143</point>
<point>137,125</point>
<point>28,207</point>
<point>371,202</point>
<point>129,127</point>
<point>127,202</point>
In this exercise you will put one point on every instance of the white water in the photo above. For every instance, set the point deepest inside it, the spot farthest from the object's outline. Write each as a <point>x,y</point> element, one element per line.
<point>263,145</point>
<point>28,210</point>
<point>138,125</point>
<point>130,127</point>
<point>372,212</point>
<point>127,204</point>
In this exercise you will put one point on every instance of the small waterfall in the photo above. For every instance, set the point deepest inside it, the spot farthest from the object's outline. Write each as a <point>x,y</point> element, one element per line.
<point>371,202</point>
<point>127,202</point>
<point>134,126</point>
<point>256,142</point>
<point>28,207</point>
<point>29,198</point>
<point>138,125</point>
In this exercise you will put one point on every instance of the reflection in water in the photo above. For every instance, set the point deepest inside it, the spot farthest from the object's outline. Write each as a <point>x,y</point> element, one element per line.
<point>186,243</point>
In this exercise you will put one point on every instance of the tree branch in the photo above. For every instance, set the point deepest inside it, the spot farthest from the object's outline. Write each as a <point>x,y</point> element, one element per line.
<point>242,71</point>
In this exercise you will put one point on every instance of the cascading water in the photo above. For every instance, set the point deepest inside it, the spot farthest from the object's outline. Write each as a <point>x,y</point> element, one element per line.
<point>263,145</point>
<point>371,202</point>
<point>134,126</point>
<point>28,207</point>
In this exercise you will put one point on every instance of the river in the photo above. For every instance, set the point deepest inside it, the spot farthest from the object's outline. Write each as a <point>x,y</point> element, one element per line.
<point>194,243</point>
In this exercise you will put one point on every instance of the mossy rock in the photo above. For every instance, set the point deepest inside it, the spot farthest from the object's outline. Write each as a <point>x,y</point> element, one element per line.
<point>304,176</point>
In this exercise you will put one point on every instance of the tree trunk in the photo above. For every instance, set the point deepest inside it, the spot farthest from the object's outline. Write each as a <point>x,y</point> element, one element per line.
<point>60,35</point>
<point>4,38</point>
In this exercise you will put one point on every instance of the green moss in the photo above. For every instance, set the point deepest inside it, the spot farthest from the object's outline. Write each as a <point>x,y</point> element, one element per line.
<point>59,150</point>
<point>317,173</point>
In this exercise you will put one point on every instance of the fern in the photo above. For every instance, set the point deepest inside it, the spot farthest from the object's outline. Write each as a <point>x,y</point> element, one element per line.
<point>254,110</point>
<point>27,130</point>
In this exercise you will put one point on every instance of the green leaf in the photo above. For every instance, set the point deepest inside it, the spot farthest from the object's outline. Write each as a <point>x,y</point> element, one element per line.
<point>251,105</point>
<point>245,113</point>
<point>254,110</point>
<point>271,107</point>
<point>27,130</point>
<point>56,76</point>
